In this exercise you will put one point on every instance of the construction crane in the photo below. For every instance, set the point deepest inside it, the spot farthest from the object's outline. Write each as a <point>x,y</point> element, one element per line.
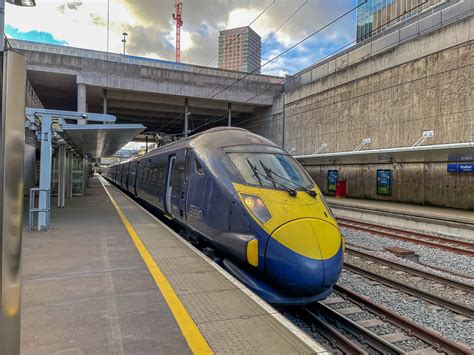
<point>179,22</point>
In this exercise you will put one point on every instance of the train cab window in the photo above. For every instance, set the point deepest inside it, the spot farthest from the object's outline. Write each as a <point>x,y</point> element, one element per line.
<point>198,166</point>
<point>270,170</point>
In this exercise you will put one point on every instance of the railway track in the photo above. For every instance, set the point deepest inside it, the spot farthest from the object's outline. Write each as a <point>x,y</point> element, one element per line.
<point>428,265</point>
<point>447,293</point>
<point>352,323</point>
<point>453,245</point>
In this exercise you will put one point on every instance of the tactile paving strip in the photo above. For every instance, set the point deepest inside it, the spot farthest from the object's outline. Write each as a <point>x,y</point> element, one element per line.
<point>229,319</point>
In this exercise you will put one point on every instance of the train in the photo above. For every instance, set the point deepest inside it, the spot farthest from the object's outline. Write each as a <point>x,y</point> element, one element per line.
<point>249,200</point>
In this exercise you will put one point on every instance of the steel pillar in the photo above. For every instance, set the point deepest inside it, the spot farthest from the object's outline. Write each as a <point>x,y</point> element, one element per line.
<point>62,172</point>
<point>81,98</point>
<point>45,167</point>
<point>229,114</point>
<point>186,118</point>
<point>12,144</point>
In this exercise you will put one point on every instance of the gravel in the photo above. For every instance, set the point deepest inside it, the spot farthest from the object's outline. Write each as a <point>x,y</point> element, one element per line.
<point>438,257</point>
<point>440,289</point>
<point>389,256</point>
<point>423,313</point>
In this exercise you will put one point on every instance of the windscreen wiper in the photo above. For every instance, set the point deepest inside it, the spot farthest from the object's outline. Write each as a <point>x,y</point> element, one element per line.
<point>255,171</point>
<point>271,172</point>
<point>258,174</point>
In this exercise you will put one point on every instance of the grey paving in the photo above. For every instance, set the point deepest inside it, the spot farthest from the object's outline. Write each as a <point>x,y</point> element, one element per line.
<point>87,290</point>
<point>228,318</point>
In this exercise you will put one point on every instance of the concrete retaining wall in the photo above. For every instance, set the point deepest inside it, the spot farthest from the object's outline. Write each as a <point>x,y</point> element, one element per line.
<point>392,97</point>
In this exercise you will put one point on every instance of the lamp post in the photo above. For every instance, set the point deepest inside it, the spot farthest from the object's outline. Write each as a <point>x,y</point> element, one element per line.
<point>12,86</point>
<point>124,40</point>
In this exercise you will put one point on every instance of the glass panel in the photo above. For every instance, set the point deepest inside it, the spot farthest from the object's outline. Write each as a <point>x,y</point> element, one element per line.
<point>283,168</point>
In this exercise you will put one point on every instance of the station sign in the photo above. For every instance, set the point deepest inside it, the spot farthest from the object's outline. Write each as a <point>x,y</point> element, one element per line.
<point>332,179</point>
<point>384,182</point>
<point>460,168</point>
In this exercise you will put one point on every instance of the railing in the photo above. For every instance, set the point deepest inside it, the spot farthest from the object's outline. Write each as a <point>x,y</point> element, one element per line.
<point>381,42</point>
<point>34,99</point>
<point>149,62</point>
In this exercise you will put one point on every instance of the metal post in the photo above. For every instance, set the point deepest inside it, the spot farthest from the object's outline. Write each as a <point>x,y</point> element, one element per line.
<point>229,114</point>
<point>61,174</point>
<point>283,121</point>
<point>69,174</point>
<point>84,167</point>
<point>146,143</point>
<point>186,118</point>
<point>12,143</point>
<point>45,167</point>
<point>104,101</point>
<point>81,98</point>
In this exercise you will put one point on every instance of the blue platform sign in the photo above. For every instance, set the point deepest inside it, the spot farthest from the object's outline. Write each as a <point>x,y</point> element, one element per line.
<point>332,179</point>
<point>384,182</point>
<point>460,168</point>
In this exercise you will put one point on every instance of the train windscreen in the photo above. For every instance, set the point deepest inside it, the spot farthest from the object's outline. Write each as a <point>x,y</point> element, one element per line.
<point>270,170</point>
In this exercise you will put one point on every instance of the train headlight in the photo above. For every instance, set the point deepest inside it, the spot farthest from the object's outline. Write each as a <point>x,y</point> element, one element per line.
<point>257,207</point>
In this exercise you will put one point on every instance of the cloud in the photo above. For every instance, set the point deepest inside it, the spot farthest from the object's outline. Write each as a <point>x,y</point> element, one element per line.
<point>74,5</point>
<point>151,28</point>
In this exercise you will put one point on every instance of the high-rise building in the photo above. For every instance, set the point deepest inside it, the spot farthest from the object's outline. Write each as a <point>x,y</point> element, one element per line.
<point>374,16</point>
<point>240,49</point>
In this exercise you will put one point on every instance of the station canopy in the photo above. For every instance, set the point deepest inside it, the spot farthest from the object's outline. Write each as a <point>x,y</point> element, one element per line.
<point>100,140</point>
<point>459,152</point>
<point>92,134</point>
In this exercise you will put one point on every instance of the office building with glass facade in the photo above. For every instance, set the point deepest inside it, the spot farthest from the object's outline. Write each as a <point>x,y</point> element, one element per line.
<point>374,16</point>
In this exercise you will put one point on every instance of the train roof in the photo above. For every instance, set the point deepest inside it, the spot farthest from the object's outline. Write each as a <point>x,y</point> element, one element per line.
<point>218,137</point>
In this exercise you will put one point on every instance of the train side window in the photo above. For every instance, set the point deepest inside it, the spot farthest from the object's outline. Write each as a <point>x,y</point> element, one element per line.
<point>177,175</point>
<point>198,166</point>
<point>154,175</point>
<point>161,176</point>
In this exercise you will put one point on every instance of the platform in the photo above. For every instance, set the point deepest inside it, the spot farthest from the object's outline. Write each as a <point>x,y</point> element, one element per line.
<point>111,278</point>
<point>448,221</point>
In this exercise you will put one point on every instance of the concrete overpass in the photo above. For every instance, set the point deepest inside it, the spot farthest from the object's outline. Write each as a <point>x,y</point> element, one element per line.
<point>148,91</point>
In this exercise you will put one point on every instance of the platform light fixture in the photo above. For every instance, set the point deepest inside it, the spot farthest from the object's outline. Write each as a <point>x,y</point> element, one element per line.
<point>27,3</point>
<point>124,40</point>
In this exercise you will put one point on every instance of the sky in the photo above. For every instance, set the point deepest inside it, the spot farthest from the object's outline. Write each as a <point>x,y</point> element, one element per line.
<point>151,29</point>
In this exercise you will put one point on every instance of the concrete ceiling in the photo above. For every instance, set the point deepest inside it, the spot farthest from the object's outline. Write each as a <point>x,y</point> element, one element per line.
<point>158,112</point>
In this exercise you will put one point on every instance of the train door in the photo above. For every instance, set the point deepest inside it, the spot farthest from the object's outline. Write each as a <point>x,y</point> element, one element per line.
<point>184,186</point>
<point>135,182</point>
<point>169,187</point>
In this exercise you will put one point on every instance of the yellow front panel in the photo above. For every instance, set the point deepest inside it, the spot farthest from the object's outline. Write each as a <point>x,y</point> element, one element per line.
<point>252,252</point>
<point>285,208</point>
<point>329,238</point>
<point>300,223</point>
<point>298,236</point>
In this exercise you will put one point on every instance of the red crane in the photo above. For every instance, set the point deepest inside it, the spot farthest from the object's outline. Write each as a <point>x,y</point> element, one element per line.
<point>179,22</point>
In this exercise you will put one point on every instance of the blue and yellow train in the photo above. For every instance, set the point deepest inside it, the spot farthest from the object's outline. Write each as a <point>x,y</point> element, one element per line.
<point>251,201</point>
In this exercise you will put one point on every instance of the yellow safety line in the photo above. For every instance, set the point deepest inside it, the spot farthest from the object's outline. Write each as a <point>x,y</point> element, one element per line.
<point>190,330</point>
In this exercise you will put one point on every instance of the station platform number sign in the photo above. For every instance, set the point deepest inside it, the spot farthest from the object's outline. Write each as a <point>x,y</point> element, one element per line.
<point>332,180</point>
<point>460,168</point>
<point>384,182</point>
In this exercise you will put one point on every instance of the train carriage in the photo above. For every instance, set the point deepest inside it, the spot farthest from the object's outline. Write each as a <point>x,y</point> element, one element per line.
<point>252,202</point>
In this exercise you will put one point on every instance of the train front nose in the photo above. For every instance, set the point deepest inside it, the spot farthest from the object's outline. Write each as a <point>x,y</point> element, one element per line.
<point>304,256</point>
